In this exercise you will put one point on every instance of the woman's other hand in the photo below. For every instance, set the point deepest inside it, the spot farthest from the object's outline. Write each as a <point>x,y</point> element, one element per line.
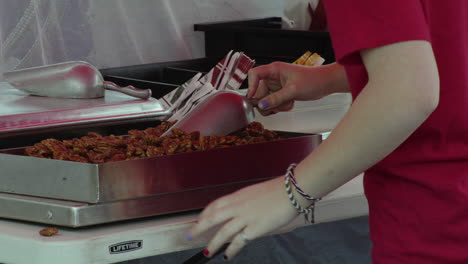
<point>245,214</point>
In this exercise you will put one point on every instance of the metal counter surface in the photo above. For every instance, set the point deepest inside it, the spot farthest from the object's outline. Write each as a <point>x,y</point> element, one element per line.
<point>20,242</point>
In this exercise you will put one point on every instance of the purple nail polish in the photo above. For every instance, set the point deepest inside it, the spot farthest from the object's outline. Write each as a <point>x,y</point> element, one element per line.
<point>188,236</point>
<point>263,104</point>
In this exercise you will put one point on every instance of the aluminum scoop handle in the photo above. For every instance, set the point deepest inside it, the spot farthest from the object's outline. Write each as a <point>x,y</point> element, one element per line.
<point>128,90</point>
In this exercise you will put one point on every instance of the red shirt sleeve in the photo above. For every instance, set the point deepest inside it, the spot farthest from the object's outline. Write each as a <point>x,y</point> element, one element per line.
<point>355,25</point>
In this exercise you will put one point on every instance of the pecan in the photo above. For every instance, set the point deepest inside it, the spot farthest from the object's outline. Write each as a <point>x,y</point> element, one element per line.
<point>50,231</point>
<point>96,148</point>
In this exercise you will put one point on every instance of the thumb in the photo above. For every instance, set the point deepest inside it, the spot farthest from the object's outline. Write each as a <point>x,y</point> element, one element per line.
<point>278,98</point>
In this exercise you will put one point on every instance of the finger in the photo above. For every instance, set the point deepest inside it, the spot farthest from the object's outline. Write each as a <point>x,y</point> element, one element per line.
<point>253,81</point>
<point>282,108</point>
<point>213,215</point>
<point>262,90</point>
<point>279,97</point>
<point>226,233</point>
<point>265,87</point>
<point>266,112</point>
<point>260,73</point>
<point>288,106</point>
<point>238,243</point>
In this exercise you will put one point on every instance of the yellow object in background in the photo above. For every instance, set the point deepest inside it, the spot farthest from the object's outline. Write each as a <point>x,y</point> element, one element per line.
<point>303,58</point>
<point>309,59</point>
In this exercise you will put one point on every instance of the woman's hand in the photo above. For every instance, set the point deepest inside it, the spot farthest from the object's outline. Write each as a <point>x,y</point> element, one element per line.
<point>250,212</point>
<point>279,84</point>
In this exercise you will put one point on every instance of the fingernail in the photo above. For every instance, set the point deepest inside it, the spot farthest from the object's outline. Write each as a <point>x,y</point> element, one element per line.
<point>188,236</point>
<point>206,252</point>
<point>225,257</point>
<point>263,104</point>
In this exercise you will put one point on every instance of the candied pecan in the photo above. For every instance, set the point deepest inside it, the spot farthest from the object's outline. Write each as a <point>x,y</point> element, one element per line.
<point>75,142</point>
<point>153,151</point>
<point>112,141</point>
<point>89,143</point>
<point>50,231</point>
<point>96,148</point>
<point>256,140</point>
<point>79,150</point>
<point>212,142</point>
<point>221,140</point>
<point>136,151</point>
<point>166,125</point>
<point>170,145</point>
<point>95,157</point>
<point>43,151</point>
<point>78,158</point>
<point>117,157</point>
<point>33,151</point>
<point>270,135</point>
<point>152,131</point>
<point>94,135</point>
<point>152,140</point>
<point>137,134</point>
<point>53,144</point>
<point>61,156</point>
<point>254,129</point>
<point>108,152</point>
<point>230,139</point>
<point>196,145</point>
<point>185,145</point>
<point>241,141</point>
<point>195,135</point>
<point>177,132</point>
<point>157,141</point>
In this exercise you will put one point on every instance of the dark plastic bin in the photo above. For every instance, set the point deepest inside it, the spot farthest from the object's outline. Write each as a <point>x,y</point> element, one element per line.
<point>263,38</point>
<point>161,78</point>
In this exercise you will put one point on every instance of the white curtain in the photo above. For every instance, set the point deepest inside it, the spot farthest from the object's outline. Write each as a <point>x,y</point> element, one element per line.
<point>112,33</point>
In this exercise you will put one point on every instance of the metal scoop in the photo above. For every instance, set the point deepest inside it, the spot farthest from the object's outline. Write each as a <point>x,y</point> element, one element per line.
<point>75,79</point>
<point>220,114</point>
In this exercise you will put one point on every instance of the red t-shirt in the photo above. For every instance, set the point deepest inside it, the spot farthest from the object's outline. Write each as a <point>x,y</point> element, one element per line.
<point>418,195</point>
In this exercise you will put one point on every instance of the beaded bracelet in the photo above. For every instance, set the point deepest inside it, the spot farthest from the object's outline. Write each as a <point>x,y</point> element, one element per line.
<point>309,211</point>
<point>290,175</point>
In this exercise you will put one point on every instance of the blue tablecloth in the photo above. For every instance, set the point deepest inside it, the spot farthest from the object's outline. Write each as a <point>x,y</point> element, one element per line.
<point>341,242</point>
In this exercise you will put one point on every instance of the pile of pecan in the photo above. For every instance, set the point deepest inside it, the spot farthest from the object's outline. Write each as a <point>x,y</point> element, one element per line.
<point>95,148</point>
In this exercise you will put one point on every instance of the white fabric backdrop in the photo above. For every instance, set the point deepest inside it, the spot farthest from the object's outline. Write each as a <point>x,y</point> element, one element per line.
<point>112,33</point>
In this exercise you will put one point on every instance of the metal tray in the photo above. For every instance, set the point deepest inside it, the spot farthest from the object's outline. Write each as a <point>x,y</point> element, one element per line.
<point>77,194</point>
<point>20,112</point>
<point>131,179</point>
<point>79,214</point>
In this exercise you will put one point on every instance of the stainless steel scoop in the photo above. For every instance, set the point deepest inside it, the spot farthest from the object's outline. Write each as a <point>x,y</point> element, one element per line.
<point>75,79</point>
<point>220,114</point>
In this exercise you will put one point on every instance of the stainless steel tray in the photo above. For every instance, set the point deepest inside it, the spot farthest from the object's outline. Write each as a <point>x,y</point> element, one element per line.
<point>20,112</point>
<point>78,194</point>
<point>79,214</point>
<point>130,179</point>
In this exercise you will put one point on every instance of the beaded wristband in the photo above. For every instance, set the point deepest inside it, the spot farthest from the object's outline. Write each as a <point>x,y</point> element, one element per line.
<point>309,211</point>
<point>290,175</point>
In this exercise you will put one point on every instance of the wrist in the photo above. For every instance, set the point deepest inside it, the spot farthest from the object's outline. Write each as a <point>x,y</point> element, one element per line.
<point>336,80</point>
<point>298,197</point>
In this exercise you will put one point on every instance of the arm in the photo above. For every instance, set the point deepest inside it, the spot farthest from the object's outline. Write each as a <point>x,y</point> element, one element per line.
<point>402,91</point>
